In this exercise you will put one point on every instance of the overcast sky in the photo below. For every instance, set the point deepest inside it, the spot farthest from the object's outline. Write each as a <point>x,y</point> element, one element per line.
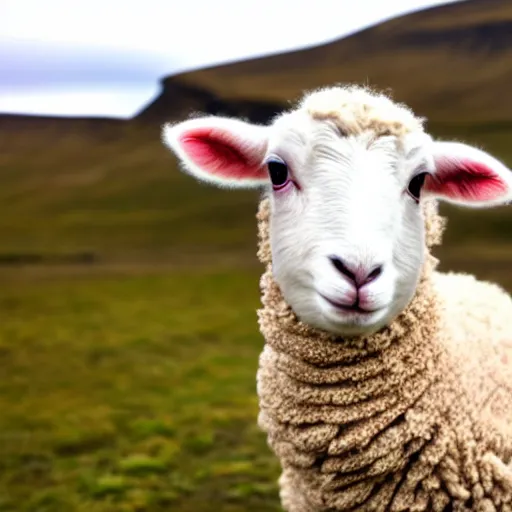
<point>105,57</point>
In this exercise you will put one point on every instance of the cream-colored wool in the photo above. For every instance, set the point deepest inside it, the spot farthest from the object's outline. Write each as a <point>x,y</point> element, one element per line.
<point>358,109</point>
<point>415,417</point>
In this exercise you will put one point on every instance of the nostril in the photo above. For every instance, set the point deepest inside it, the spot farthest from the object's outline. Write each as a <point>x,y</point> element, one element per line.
<point>342,268</point>
<point>376,272</point>
<point>358,274</point>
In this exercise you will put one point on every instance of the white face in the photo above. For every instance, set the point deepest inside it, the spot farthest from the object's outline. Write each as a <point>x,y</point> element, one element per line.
<point>346,227</point>
<point>347,236</point>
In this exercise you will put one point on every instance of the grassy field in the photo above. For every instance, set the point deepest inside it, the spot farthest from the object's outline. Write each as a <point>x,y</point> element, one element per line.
<point>132,393</point>
<point>117,195</point>
<point>129,384</point>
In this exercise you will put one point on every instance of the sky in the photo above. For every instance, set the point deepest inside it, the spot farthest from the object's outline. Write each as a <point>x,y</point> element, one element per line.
<point>106,57</point>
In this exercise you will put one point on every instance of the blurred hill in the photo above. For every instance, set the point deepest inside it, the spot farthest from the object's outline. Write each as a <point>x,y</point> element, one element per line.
<point>105,189</point>
<point>450,63</point>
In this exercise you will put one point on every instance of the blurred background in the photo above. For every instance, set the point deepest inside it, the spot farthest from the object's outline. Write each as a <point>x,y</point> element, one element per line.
<point>128,291</point>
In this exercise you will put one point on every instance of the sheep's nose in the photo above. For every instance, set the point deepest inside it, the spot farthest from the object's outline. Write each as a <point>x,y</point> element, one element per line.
<point>357,273</point>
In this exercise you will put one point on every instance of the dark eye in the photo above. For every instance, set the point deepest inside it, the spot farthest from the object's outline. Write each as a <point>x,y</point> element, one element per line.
<point>278,172</point>
<point>416,184</point>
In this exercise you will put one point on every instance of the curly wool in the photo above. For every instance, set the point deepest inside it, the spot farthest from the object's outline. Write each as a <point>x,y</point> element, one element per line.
<point>415,417</point>
<point>356,109</point>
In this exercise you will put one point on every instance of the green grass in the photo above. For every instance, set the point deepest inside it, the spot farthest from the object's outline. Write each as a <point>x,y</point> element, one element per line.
<point>132,393</point>
<point>122,199</point>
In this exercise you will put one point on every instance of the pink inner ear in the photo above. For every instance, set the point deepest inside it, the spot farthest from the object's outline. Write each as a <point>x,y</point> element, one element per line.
<point>466,180</point>
<point>215,151</point>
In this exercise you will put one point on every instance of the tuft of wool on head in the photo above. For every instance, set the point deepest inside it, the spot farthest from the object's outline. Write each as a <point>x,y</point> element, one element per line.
<point>356,110</point>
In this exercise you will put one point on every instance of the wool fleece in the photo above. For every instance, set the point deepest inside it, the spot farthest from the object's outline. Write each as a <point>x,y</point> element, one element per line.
<point>415,417</point>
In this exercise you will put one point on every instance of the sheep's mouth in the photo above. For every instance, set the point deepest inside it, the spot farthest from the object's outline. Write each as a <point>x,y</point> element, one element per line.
<point>348,308</point>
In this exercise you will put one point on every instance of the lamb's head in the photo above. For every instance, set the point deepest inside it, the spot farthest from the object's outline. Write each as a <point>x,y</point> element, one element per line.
<point>346,173</point>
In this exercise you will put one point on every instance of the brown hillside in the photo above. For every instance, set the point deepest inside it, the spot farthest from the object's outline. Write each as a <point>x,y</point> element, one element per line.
<point>450,63</point>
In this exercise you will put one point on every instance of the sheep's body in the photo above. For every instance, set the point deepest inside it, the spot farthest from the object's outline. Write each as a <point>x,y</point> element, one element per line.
<point>417,417</point>
<point>393,391</point>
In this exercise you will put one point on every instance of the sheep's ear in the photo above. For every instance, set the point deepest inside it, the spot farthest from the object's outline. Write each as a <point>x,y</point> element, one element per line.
<point>221,151</point>
<point>468,176</point>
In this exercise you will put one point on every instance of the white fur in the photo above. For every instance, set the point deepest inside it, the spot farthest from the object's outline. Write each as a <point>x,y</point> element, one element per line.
<point>352,203</point>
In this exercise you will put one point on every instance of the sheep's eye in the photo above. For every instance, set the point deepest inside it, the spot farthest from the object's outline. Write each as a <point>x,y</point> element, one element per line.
<point>416,184</point>
<point>278,172</point>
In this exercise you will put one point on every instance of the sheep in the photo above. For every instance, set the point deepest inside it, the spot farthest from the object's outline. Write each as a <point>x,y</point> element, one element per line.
<point>383,383</point>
